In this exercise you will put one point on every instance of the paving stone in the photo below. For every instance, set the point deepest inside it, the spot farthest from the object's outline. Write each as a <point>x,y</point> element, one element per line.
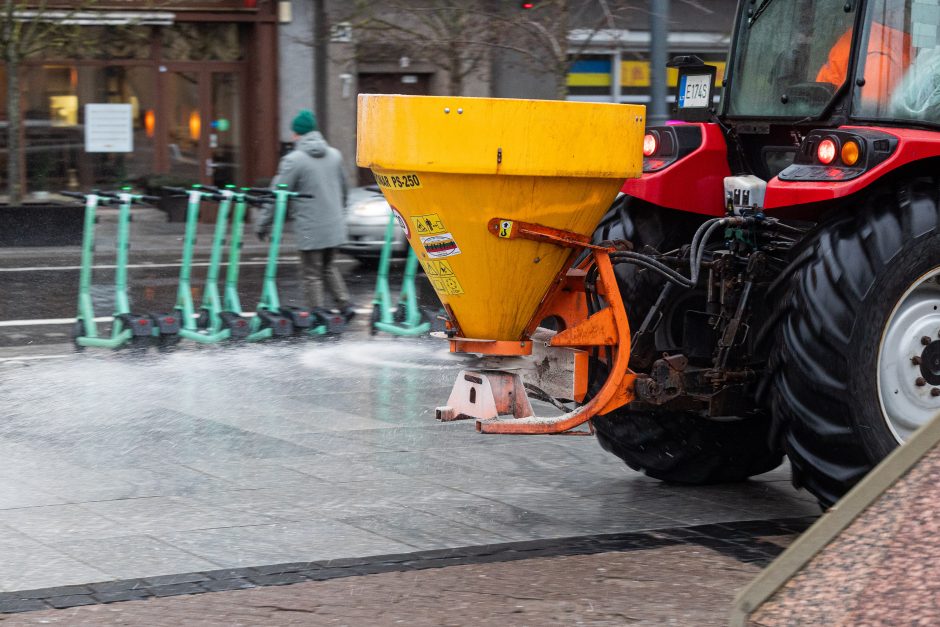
<point>71,600</point>
<point>43,593</point>
<point>323,574</point>
<point>173,579</point>
<point>276,569</point>
<point>176,588</point>
<point>226,584</point>
<point>230,573</point>
<point>278,579</point>
<point>123,595</point>
<point>117,586</point>
<point>10,606</point>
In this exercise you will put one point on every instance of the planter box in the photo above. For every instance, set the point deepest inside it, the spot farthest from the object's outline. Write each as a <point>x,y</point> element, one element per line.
<point>41,224</point>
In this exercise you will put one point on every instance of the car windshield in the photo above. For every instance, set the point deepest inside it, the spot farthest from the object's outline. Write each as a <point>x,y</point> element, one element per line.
<point>900,62</point>
<point>791,57</point>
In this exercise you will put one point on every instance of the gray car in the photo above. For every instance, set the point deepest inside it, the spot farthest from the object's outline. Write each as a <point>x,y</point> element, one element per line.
<point>367,216</point>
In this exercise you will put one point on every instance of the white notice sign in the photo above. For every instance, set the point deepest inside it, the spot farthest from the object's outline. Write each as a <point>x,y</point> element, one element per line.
<point>109,128</point>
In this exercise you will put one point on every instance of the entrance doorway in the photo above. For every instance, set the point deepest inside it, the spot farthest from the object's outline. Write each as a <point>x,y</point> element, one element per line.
<point>203,125</point>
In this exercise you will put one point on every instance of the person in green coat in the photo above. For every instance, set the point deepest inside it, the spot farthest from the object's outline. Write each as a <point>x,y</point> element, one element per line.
<point>315,168</point>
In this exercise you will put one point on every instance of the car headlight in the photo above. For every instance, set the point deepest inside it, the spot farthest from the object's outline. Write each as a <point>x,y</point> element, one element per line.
<point>371,208</point>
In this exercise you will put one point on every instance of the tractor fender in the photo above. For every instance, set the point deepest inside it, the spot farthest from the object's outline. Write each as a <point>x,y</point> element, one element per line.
<point>913,145</point>
<point>694,182</point>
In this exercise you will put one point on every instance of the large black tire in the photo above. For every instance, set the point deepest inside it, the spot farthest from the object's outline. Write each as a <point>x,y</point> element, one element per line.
<point>680,447</point>
<point>674,446</point>
<point>825,398</point>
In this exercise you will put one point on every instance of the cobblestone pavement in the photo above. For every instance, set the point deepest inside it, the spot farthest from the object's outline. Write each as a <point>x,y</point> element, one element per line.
<point>677,584</point>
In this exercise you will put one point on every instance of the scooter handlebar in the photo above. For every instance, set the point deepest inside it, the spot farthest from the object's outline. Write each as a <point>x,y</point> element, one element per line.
<point>264,191</point>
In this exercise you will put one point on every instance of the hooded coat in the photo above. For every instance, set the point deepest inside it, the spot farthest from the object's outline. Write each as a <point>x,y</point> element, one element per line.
<point>313,167</point>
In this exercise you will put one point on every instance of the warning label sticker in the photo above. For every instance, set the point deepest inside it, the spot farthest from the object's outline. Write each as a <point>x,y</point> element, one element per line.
<point>442,277</point>
<point>398,181</point>
<point>402,223</point>
<point>428,224</point>
<point>447,286</point>
<point>440,245</point>
<point>505,228</point>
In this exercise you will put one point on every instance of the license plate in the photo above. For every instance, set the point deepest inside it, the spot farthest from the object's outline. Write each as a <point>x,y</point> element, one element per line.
<point>693,91</point>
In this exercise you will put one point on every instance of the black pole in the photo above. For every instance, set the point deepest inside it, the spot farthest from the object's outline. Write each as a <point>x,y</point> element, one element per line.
<point>320,39</point>
<point>658,112</point>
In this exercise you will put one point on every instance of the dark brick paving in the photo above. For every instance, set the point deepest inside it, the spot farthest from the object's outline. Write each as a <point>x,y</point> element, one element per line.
<point>740,541</point>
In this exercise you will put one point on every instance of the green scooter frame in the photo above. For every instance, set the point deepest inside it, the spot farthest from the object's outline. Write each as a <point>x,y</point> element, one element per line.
<point>126,326</point>
<point>231,301</point>
<point>272,318</point>
<point>214,332</point>
<point>410,321</point>
<point>218,314</point>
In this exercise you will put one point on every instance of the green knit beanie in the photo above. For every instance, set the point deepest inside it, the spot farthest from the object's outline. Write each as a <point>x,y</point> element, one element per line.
<point>304,123</point>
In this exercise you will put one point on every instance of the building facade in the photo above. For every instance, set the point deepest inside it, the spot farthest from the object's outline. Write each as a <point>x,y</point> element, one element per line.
<point>609,60</point>
<point>200,77</point>
<point>213,84</point>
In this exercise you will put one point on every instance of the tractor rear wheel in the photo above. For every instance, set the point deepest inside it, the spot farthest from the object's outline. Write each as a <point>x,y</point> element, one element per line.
<point>674,446</point>
<point>859,353</point>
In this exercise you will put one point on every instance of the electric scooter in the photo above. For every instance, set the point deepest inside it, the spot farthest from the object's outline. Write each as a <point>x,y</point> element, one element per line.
<point>407,319</point>
<point>231,314</point>
<point>214,315</point>
<point>215,328</point>
<point>126,327</point>
<point>274,319</point>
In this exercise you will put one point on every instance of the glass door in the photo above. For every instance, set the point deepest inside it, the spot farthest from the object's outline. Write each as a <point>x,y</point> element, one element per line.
<point>204,126</point>
<point>225,130</point>
<point>184,126</point>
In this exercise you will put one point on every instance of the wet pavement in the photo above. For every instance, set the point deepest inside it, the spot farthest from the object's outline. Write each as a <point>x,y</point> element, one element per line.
<point>125,466</point>
<point>119,465</point>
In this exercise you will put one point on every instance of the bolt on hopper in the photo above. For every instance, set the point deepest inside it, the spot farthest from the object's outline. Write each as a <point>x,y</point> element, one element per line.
<point>498,198</point>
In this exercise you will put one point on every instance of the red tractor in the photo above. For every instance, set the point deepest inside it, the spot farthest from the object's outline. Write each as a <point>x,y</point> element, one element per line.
<point>784,278</point>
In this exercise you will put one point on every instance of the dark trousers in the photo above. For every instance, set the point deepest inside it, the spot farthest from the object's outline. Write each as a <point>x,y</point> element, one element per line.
<point>317,268</point>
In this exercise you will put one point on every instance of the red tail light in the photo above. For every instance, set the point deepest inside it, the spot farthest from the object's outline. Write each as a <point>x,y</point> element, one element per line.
<point>827,151</point>
<point>650,145</point>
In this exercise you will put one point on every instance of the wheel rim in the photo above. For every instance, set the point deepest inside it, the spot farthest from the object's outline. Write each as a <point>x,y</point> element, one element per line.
<point>909,358</point>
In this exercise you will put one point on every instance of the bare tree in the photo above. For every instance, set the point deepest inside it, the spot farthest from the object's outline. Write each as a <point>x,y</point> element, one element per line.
<point>453,35</point>
<point>544,34</point>
<point>459,36</point>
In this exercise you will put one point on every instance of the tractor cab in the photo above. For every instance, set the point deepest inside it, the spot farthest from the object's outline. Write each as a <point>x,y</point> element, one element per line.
<point>817,91</point>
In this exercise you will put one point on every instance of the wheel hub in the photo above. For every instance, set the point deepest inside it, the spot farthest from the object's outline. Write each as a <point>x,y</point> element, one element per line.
<point>909,358</point>
<point>930,363</point>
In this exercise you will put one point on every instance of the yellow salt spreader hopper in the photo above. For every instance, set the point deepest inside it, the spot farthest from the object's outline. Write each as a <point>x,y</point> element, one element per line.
<point>498,198</point>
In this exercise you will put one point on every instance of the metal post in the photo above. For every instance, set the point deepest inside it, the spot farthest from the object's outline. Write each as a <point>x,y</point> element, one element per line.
<point>615,74</point>
<point>321,33</point>
<point>659,52</point>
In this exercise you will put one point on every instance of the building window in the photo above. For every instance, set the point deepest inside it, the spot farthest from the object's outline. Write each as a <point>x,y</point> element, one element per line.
<point>211,41</point>
<point>54,97</point>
